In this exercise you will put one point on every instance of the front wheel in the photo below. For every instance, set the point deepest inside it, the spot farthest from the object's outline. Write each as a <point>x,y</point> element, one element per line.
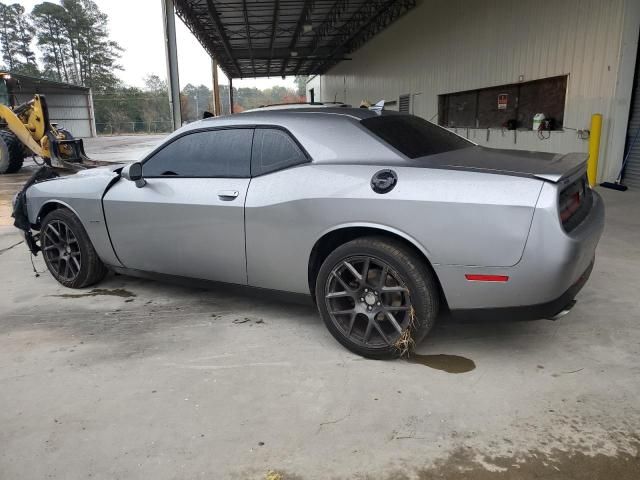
<point>377,297</point>
<point>68,252</point>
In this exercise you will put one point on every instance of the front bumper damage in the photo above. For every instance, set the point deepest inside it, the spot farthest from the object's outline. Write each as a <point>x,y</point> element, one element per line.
<point>20,215</point>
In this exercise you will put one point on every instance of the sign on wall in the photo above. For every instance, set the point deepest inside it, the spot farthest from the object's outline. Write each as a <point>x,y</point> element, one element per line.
<point>503,100</point>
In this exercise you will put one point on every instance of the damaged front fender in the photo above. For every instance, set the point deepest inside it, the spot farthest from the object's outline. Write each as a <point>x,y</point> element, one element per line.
<point>20,213</point>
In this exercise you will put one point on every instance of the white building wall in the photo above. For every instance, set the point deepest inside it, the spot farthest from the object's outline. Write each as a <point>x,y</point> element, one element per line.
<point>445,46</point>
<point>70,110</point>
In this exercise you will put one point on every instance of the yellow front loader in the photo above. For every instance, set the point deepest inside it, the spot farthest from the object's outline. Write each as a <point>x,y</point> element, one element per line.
<point>25,130</point>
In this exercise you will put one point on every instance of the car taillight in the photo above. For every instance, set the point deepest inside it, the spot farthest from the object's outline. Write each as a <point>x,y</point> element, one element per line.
<point>573,203</point>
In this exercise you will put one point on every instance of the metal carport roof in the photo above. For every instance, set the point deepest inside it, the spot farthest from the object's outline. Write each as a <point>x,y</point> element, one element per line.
<point>31,85</point>
<point>255,38</point>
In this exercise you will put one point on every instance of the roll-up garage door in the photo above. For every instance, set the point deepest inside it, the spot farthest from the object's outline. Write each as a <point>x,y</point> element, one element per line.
<point>631,176</point>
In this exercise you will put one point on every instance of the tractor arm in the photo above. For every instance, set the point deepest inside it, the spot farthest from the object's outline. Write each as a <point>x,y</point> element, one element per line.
<point>21,131</point>
<point>29,124</point>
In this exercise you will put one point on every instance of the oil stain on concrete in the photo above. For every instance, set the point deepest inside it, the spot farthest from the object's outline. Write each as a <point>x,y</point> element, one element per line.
<point>556,465</point>
<point>446,363</point>
<point>96,292</point>
<point>465,464</point>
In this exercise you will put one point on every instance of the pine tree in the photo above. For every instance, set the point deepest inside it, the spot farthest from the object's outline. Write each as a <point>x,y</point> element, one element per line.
<point>93,56</point>
<point>15,39</point>
<point>50,20</point>
<point>7,35</point>
<point>24,37</point>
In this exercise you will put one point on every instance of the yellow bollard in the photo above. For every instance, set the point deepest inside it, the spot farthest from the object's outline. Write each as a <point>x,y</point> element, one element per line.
<point>594,148</point>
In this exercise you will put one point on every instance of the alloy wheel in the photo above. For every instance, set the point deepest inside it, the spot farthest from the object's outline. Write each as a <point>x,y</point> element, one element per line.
<point>61,249</point>
<point>368,301</point>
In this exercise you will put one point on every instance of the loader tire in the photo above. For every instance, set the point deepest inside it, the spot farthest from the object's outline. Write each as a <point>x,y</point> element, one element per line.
<point>26,152</point>
<point>11,152</point>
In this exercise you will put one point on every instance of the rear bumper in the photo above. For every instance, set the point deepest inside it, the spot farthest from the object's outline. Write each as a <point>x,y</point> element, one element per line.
<point>554,266</point>
<point>530,312</point>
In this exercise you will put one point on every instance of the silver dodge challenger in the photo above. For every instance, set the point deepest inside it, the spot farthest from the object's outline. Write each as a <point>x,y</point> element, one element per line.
<point>385,219</point>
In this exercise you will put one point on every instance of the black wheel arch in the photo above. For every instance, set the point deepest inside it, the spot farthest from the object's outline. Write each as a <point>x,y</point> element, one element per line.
<point>49,207</point>
<point>333,239</point>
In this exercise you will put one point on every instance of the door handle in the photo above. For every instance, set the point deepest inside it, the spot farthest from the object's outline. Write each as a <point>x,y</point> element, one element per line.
<point>228,194</point>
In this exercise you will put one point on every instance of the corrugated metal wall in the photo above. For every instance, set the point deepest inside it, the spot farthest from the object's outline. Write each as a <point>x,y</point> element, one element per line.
<point>70,109</point>
<point>445,46</point>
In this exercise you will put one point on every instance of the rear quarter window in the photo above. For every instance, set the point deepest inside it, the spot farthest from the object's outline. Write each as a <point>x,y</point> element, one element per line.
<point>414,136</point>
<point>273,150</point>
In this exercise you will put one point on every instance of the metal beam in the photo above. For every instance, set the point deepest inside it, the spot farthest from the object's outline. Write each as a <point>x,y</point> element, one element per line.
<point>371,18</point>
<point>223,36</point>
<point>256,38</point>
<point>296,33</point>
<point>168,14</point>
<point>246,26</point>
<point>92,114</point>
<point>216,88</point>
<point>265,53</point>
<point>274,21</point>
<point>330,19</point>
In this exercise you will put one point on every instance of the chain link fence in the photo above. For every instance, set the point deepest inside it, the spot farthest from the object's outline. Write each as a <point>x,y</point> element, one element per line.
<point>133,128</point>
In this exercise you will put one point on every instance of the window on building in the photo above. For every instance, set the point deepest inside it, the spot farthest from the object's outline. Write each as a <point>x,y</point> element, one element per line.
<point>459,109</point>
<point>507,106</point>
<point>210,153</point>
<point>273,150</point>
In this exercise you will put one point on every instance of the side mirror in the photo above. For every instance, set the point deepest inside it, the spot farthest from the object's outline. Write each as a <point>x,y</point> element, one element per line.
<point>133,173</point>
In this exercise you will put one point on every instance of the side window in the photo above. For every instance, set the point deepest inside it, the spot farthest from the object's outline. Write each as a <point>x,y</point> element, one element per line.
<point>211,153</point>
<point>273,150</point>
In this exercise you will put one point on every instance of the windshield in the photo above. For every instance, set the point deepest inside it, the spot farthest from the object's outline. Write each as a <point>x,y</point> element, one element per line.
<point>414,136</point>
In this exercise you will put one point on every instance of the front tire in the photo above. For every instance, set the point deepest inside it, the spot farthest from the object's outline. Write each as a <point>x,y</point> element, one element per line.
<point>377,297</point>
<point>68,252</point>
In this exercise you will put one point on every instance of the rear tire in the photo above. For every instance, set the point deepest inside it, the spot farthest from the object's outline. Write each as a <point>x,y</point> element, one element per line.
<point>11,152</point>
<point>68,252</point>
<point>377,297</point>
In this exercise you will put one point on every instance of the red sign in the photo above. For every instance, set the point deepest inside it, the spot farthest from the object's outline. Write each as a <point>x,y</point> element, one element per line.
<point>503,100</point>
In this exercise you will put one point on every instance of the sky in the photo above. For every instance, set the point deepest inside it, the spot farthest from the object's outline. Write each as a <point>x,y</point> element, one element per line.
<point>137,26</point>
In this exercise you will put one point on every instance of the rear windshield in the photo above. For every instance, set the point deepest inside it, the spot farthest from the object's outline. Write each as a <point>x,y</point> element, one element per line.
<point>414,136</point>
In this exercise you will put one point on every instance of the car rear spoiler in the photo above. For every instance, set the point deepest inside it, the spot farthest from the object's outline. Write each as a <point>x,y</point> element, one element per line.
<point>568,167</point>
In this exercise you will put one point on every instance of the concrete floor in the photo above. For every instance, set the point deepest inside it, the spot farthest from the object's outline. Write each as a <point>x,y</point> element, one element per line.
<point>140,379</point>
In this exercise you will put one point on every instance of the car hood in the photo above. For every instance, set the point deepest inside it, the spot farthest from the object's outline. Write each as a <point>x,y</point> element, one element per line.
<point>551,167</point>
<point>100,171</point>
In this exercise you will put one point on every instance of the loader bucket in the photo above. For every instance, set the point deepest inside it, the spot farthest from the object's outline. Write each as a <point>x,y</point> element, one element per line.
<point>66,150</point>
<point>69,154</point>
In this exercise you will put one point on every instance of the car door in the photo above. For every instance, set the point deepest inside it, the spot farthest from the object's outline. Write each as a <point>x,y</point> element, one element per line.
<point>188,218</point>
<point>276,219</point>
